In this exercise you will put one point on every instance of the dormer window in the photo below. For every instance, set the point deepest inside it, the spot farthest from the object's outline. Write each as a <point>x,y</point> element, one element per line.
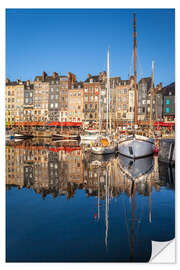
<point>91,80</point>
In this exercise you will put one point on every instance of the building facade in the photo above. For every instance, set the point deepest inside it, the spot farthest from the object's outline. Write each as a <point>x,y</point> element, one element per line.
<point>76,103</point>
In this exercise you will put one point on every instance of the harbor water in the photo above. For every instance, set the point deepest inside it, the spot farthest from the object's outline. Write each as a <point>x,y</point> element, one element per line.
<point>64,204</point>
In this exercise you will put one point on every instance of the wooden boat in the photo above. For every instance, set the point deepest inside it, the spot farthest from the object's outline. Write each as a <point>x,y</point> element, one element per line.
<point>22,136</point>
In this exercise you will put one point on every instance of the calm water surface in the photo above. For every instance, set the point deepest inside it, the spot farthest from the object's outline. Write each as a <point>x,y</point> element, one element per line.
<point>64,205</point>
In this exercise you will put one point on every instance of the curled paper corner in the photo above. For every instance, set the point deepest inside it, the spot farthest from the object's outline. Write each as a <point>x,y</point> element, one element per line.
<point>163,252</point>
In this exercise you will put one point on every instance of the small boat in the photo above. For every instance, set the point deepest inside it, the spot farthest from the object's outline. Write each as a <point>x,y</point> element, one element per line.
<point>89,135</point>
<point>136,146</point>
<point>104,146</point>
<point>22,136</point>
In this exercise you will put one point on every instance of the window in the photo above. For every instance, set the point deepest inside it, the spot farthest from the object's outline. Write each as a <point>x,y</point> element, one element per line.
<point>90,89</point>
<point>51,105</point>
<point>124,106</point>
<point>56,105</point>
<point>91,98</point>
<point>167,110</point>
<point>125,90</point>
<point>79,93</point>
<point>167,101</point>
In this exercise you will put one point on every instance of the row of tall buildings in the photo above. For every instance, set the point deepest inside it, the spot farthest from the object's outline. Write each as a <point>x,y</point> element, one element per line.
<point>64,99</point>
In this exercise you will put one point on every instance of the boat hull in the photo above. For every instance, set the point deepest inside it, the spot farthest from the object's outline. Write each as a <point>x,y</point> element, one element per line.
<point>136,147</point>
<point>88,138</point>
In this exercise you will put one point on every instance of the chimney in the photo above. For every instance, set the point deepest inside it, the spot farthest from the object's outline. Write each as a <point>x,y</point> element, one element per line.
<point>104,75</point>
<point>100,76</point>
<point>28,82</point>
<point>54,75</point>
<point>89,75</point>
<point>44,76</point>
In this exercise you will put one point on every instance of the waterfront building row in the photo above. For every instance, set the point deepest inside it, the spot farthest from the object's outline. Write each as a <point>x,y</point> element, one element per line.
<point>60,98</point>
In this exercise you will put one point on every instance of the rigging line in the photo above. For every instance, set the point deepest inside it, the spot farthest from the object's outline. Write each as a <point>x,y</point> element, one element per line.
<point>140,66</point>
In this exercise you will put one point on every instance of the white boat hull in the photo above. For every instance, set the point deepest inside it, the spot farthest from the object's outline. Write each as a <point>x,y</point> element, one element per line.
<point>89,137</point>
<point>103,150</point>
<point>136,147</point>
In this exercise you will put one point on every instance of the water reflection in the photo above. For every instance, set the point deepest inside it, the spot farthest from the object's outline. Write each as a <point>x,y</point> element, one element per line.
<point>62,169</point>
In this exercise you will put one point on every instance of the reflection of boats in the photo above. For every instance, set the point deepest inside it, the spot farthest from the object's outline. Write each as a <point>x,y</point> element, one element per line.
<point>63,148</point>
<point>136,146</point>
<point>135,168</point>
<point>65,137</point>
<point>102,158</point>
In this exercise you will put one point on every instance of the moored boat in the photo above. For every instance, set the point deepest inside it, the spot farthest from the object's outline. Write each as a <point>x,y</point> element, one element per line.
<point>136,146</point>
<point>22,136</point>
<point>104,146</point>
<point>89,136</point>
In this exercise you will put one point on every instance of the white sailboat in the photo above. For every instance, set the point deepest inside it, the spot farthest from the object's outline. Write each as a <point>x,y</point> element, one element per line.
<point>136,146</point>
<point>104,144</point>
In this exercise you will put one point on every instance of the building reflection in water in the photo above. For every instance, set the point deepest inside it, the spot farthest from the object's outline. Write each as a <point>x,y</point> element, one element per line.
<point>58,169</point>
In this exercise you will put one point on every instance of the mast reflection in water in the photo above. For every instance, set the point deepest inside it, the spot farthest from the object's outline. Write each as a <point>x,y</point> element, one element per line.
<point>64,205</point>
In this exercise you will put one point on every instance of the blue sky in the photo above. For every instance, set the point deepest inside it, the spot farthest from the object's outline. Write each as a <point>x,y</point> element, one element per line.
<point>76,40</point>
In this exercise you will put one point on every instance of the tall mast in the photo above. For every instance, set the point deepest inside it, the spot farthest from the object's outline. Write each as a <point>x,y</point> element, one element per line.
<point>135,74</point>
<point>152,87</point>
<point>107,126</point>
